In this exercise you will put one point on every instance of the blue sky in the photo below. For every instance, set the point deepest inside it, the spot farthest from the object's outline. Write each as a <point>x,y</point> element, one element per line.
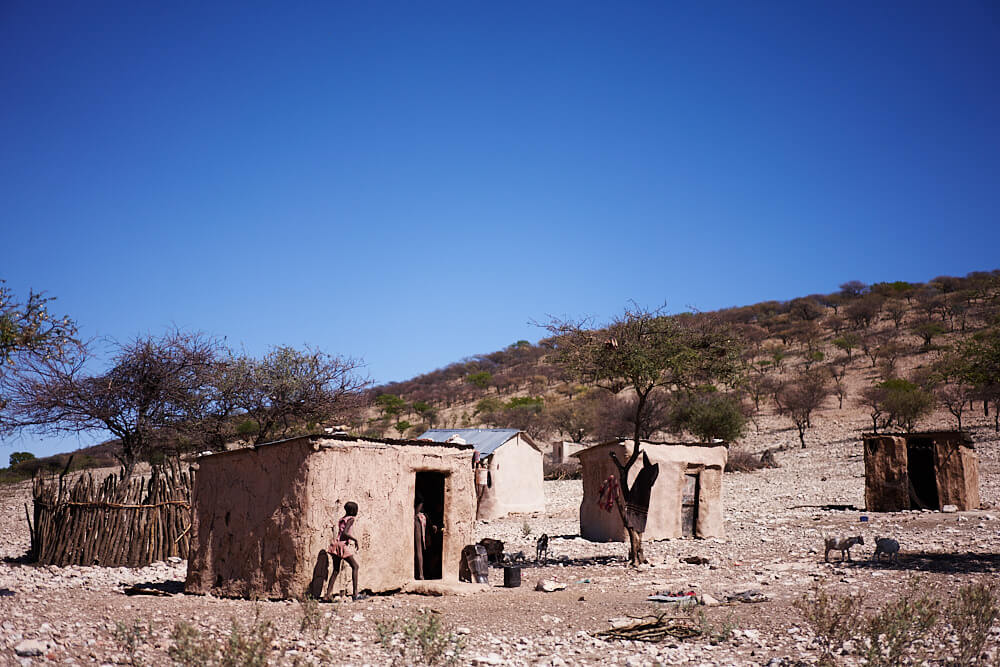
<point>412,183</point>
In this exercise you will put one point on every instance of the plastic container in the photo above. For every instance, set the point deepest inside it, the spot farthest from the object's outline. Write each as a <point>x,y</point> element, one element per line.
<point>511,576</point>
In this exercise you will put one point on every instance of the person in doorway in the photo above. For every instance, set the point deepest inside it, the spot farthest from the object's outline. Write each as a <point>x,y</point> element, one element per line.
<point>419,538</point>
<point>340,550</point>
<point>435,541</point>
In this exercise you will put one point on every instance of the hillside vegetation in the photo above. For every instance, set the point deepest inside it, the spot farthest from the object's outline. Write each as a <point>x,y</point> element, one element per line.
<point>910,355</point>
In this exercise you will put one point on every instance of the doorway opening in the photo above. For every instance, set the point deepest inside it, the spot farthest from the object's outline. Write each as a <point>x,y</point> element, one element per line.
<point>920,469</point>
<point>429,491</point>
<point>689,505</point>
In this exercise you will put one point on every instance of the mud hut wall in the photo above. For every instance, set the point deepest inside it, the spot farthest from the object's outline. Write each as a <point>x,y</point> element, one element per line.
<point>595,523</point>
<point>676,461</point>
<point>562,452</point>
<point>489,503</point>
<point>711,513</point>
<point>381,479</point>
<point>887,481</point>
<point>957,473</point>
<point>516,467</point>
<point>248,521</point>
<point>664,519</point>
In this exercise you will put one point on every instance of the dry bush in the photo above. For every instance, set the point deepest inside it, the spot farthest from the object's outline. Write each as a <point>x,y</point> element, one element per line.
<point>560,471</point>
<point>971,613</point>
<point>901,627</point>
<point>314,620</point>
<point>419,640</point>
<point>907,629</point>
<point>740,460</point>
<point>246,646</point>
<point>129,638</point>
<point>832,619</point>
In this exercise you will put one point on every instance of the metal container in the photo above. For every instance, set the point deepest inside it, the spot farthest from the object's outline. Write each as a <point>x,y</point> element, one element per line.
<point>511,576</point>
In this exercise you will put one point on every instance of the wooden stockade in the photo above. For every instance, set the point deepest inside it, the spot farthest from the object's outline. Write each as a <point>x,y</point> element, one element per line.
<point>117,523</point>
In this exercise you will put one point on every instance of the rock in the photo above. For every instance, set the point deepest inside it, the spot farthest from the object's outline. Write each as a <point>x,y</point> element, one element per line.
<point>708,600</point>
<point>462,630</point>
<point>30,648</point>
<point>549,586</point>
<point>949,509</point>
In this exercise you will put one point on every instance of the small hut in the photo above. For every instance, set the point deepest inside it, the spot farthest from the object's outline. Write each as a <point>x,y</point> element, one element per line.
<point>510,476</point>
<point>262,517</point>
<point>563,452</point>
<point>685,501</point>
<point>920,471</point>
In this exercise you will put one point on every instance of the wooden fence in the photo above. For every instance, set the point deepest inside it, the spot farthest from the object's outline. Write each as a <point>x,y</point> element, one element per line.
<point>117,523</point>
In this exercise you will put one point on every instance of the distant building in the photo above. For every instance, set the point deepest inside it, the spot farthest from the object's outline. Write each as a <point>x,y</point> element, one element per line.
<point>562,452</point>
<point>262,516</point>
<point>686,499</point>
<point>920,471</point>
<point>510,478</point>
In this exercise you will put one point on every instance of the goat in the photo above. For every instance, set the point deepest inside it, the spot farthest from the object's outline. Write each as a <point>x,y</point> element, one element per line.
<point>843,545</point>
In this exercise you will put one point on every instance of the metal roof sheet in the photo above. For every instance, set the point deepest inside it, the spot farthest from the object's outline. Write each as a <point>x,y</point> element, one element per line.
<point>485,440</point>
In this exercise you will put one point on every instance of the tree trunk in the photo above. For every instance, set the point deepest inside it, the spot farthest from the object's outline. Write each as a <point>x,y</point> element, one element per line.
<point>636,556</point>
<point>802,436</point>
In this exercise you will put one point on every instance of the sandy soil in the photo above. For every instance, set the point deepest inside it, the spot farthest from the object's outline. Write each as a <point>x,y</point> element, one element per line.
<point>773,545</point>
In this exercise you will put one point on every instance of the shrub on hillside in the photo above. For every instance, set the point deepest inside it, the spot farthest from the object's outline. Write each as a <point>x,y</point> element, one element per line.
<point>708,416</point>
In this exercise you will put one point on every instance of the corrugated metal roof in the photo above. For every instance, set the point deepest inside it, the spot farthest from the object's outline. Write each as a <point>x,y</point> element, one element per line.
<point>485,440</point>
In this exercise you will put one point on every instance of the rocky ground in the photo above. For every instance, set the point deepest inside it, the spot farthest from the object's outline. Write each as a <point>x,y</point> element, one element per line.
<point>774,545</point>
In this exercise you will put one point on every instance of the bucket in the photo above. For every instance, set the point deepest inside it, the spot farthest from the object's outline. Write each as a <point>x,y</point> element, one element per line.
<point>511,576</point>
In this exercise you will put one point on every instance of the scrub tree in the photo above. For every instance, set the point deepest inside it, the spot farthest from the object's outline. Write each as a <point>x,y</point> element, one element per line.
<point>641,352</point>
<point>29,334</point>
<point>151,391</point>
<point>802,396</point>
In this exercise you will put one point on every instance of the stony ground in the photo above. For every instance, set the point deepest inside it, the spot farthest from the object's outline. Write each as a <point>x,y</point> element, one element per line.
<point>79,615</point>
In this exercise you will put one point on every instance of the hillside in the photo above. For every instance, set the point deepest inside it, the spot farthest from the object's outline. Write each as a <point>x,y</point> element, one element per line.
<point>856,338</point>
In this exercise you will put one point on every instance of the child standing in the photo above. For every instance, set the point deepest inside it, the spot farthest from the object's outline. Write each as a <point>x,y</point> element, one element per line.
<point>340,549</point>
<point>419,538</point>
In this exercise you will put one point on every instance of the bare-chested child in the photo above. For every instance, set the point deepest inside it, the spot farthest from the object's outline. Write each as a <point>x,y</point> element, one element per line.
<point>340,549</point>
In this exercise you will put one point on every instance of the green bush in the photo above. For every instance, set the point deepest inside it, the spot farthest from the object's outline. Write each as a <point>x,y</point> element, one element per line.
<point>708,415</point>
<point>20,457</point>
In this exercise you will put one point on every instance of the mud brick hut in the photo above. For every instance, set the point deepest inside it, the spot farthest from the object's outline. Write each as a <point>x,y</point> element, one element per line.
<point>512,479</point>
<point>686,499</point>
<point>920,471</point>
<point>262,517</point>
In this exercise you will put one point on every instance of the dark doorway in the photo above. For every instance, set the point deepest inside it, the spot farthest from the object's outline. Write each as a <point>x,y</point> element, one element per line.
<point>430,491</point>
<point>920,468</point>
<point>689,505</point>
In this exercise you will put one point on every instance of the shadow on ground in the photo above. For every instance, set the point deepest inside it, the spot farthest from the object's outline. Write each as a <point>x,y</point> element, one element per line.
<point>968,563</point>
<point>170,587</point>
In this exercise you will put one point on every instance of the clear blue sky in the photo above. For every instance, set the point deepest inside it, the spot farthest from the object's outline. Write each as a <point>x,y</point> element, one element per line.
<point>412,183</point>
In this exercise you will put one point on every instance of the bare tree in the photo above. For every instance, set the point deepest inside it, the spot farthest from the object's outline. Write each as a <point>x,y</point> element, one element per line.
<point>838,371</point>
<point>864,311</point>
<point>802,396</point>
<point>955,397</point>
<point>643,351</point>
<point>896,310</point>
<point>151,390</point>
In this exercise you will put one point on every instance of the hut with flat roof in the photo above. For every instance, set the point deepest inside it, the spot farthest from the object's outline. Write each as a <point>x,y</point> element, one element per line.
<point>685,500</point>
<point>920,471</point>
<point>509,475</point>
<point>263,516</point>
